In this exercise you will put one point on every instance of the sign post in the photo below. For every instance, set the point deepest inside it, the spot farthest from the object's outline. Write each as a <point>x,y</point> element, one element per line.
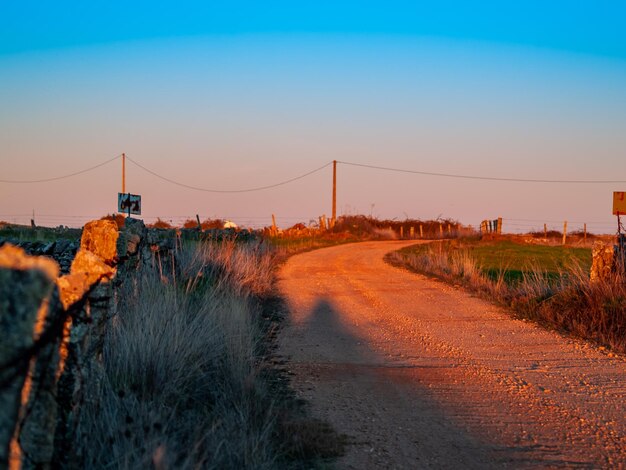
<point>129,203</point>
<point>619,207</point>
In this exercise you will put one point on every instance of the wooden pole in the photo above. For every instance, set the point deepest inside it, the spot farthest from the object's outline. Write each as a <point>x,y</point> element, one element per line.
<point>334,217</point>
<point>123,173</point>
<point>274,228</point>
<point>440,230</point>
<point>421,231</point>
<point>564,231</point>
<point>545,231</point>
<point>499,228</point>
<point>199,224</point>
<point>412,232</point>
<point>401,232</point>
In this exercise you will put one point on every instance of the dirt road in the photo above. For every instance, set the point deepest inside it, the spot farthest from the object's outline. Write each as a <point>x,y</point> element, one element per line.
<point>419,374</point>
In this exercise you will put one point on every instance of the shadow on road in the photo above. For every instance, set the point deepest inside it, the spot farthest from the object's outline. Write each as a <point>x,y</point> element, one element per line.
<point>385,409</point>
<point>391,411</point>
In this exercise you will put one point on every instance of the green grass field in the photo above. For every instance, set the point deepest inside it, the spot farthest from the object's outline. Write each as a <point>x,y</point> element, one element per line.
<point>515,259</point>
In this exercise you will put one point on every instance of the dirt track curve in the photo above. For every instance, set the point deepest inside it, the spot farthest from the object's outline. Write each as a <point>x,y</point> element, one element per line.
<point>419,374</point>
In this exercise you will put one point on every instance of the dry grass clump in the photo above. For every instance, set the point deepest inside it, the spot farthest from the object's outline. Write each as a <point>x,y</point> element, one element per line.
<point>158,223</point>
<point>569,302</point>
<point>206,224</point>
<point>594,310</point>
<point>365,226</point>
<point>181,385</point>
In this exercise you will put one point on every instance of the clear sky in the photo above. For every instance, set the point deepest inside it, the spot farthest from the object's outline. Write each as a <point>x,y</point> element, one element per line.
<point>233,95</point>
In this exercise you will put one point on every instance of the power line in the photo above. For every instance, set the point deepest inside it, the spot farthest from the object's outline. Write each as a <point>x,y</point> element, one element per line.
<point>281,183</point>
<point>247,190</point>
<point>56,178</point>
<point>487,178</point>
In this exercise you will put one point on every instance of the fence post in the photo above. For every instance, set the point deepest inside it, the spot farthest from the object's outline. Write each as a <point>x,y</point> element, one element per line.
<point>412,232</point>
<point>585,233</point>
<point>440,230</point>
<point>564,231</point>
<point>401,232</point>
<point>274,228</point>
<point>499,226</point>
<point>199,224</point>
<point>545,231</point>
<point>421,231</point>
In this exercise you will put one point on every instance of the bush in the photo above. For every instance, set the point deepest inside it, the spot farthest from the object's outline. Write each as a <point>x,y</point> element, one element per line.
<point>160,224</point>
<point>117,218</point>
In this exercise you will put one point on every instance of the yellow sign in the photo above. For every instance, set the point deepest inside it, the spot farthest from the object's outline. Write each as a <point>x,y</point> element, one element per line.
<point>619,203</point>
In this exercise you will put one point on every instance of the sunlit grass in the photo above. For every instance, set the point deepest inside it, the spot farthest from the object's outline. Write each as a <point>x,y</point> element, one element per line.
<point>550,285</point>
<point>512,260</point>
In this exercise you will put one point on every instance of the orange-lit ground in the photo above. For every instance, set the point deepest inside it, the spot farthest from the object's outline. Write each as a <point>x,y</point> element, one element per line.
<point>421,374</point>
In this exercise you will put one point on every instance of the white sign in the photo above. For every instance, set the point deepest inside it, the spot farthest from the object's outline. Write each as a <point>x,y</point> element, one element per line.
<point>129,203</point>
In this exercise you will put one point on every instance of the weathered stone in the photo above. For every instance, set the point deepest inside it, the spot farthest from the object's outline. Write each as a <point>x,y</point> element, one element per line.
<point>87,269</point>
<point>100,237</point>
<point>13,257</point>
<point>130,237</point>
<point>603,263</point>
<point>61,246</point>
<point>37,430</point>
<point>26,286</point>
<point>48,249</point>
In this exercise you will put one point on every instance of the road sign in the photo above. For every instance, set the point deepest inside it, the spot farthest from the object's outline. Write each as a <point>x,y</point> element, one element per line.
<point>619,203</point>
<point>129,203</point>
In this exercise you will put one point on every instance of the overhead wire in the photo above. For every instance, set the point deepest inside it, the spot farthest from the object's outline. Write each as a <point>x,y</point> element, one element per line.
<point>484,178</point>
<point>281,183</point>
<point>56,178</point>
<point>209,190</point>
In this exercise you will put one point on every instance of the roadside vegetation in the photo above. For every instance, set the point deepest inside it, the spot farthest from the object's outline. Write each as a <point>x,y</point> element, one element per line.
<point>187,380</point>
<point>355,228</point>
<point>21,233</point>
<point>547,284</point>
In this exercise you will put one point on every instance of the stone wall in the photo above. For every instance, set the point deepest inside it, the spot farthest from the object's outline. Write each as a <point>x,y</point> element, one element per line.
<point>54,311</point>
<point>608,260</point>
<point>53,328</point>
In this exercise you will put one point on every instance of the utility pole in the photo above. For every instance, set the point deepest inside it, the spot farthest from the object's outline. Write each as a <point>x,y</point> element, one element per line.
<point>123,173</point>
<point>334,217</point>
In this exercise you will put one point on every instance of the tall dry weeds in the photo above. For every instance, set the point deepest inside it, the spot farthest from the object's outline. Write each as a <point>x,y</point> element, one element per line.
<point>180,385</point>
<point>569,302</point>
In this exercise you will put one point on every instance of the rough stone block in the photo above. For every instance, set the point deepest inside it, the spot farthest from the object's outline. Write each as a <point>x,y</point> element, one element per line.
<point>26,286</point>
<point>100,237</point>
<point>87,269</point>
<point>603,263</point>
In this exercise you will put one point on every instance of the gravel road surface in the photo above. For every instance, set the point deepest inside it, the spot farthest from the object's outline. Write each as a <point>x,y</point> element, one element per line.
<point>420,374</point>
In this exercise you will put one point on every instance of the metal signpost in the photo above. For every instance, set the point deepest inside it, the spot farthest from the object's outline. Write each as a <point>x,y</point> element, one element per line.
<point>129,203</point>
<point>619,208</point>
<point>619,204</point>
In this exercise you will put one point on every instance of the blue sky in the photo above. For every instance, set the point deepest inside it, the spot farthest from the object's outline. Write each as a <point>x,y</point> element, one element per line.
<point>232,95</point>
<point>593,27</point>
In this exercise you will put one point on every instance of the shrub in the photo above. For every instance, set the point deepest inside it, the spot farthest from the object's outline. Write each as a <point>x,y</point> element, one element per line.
<point>117,218</point>
<point>160,224</point>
